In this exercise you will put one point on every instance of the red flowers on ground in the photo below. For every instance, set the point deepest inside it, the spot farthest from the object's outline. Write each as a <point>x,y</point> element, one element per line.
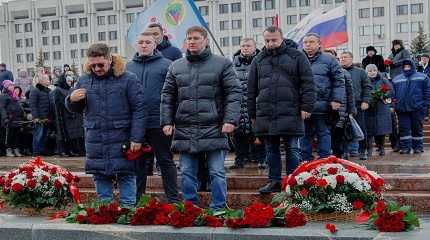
<point>212,221</point>
<point>380,207</point>
<point>391,222</point>
<point>258,215</point>
<point>294,218</point>
<point>331,227</point>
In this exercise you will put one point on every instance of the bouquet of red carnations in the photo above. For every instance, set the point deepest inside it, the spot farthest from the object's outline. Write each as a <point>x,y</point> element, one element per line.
<point>389,217</point>
<point>382,94</point>
<point>39,185</point>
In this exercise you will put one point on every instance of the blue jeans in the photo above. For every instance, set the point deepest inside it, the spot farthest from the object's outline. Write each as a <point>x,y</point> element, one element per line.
<point>39,138</point>
<point>127,188</point>
<point>217,178</point>
<point>317,125</point>
<point>292,147</point>
<point>411,130</point>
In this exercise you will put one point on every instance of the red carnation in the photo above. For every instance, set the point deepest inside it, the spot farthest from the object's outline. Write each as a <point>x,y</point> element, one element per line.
<point>11,175</point>
<point>45,168</point>
<point>380,207</point>
<point>45,178</point>
<point>340,179</point>
<point>304,192</point>
<point>311,181</point>
<point>385,88</point>
<point>31,183</point>
<point>292,181</point>
<point>161,219</point>
<point>234,222</point>
<point>57,184</point>
<point>29,174</point>
<point>357,204</point>
<point>17,187</point>
<point>6,190</point>
<point>212,221</point>
<point>294,218</point>
<point>331,227</point>
<point>80,218</point>
<point>332,171</point>
<point>53,170</point>
<point>322,182</point>
<point>2,181</point>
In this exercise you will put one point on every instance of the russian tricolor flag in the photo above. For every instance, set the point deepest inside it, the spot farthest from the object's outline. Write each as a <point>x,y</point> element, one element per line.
<point>331,26</point>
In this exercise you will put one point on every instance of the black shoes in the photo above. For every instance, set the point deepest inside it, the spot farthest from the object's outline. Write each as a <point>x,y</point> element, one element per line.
<point>405,151</point>
<point>270,187</point>
<point>418,151</point>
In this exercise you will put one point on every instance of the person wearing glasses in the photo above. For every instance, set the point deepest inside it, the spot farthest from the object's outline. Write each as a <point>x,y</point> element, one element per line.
<point>111,101</point>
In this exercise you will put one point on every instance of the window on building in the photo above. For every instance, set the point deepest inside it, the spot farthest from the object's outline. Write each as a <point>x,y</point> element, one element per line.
<point>204,10</point>
<point>73,38</point>
<point>73,54</point>
<point>72,23</point>
<point>402,9</point>
<point>83,22</point>
<point>304,3</point>
<point>415,26</point>
<point>417,8</point>
<point>378,11</point>
<point>257,6</point>
<point>18,43</point>
<point>326,1</point>
<point>269,4</point>
<point>303,16</point>
<point>291,19</point>
<point>130,17</point>
<point>45,41</point>
<point>55,24</point>
<point>18,28</point>
<point>29,42</point>
<point>56,55</point>
<point>113,49</point>
<point>83,37</point>
<point>113,35</point>
<point>45,26</point>
<point>101,20</point>
<point>83,53</point>
<point>402,27</point>
<point>269,21</point>
<point>112,19</point>
<point>29,57</point>
<point>102,36</point>
<point>339,1</point>
<point>223,25</point>
<point>28,27</point>
<point>224,41</point>
<point>291,3</point>
<point>364,30</point>
<point>235,41</point>
<point>46,56</point>
<point>236,7</point>
<point>19,58</point>
<point>236,24</point>
<point>379,31</point>
<point>364,12</point>
<point>257,22</point>
<point>56,40</point>
<point>223,8</point>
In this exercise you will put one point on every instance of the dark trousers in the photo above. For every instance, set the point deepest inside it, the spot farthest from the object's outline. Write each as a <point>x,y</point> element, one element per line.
<point>339,144</point>
<point>293,157</point>
<point>161,146</point>
<point>361,120</point>
<point>13,137</point>
<point>2,141</point>
<point>394,136</point>
<point>411,130</point>
<point>241,145</point>
<point>317,124</point>
<point>258,152</point>
<point>39,138</point>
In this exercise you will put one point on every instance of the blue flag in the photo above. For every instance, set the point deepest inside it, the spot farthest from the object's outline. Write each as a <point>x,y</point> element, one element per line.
<point>176,16</point>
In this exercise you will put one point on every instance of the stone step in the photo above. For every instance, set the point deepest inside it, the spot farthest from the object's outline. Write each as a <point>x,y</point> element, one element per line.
<point>419,200</point>
<point>395,182</point>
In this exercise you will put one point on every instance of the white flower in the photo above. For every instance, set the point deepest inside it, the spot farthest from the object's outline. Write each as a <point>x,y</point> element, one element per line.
<point>288,190</point>
<point>302,177</point>
<point>339,202</point>
<point>331,180</point>
<point>305,205</point>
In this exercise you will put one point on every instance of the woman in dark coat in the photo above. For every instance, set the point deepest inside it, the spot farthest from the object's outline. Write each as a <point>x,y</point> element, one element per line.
<point>70,132</point>
<point>378,116</point>
<point>398,54</point>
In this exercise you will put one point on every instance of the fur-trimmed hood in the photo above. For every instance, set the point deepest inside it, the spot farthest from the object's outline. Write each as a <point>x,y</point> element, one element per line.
<point>118,66</point>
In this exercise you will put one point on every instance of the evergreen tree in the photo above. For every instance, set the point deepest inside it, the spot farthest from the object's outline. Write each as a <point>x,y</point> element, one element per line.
<point>39,59</point>
<point>421,43</point>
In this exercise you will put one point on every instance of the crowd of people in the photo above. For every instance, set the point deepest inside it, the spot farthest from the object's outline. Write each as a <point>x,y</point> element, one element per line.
<point>283,97</point>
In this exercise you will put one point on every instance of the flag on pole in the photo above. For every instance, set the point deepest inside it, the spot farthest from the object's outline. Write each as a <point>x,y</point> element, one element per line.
<point>331,26</point>
<point>176,16</point>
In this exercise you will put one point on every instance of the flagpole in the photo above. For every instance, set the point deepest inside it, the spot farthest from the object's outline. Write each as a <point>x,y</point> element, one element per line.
<point>213,38</point>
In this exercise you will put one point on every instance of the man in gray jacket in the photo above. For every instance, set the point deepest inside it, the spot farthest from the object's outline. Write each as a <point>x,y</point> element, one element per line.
<point>361,88</point>
<point>200,101</point>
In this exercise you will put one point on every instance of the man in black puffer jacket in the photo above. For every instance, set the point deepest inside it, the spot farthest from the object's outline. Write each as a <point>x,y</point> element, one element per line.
<point>243,133</point>
<point>281,94</point>
<point>201,100</point>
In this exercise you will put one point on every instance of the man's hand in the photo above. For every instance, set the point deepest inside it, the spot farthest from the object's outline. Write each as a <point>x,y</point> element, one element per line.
<point>134,147</point>
<point>305,115</point>
<point>364,106</point>
<point>253,121</point>
<point>257,141</point>
<point>78,94</point>
<point>227,128</point>
<point>335,105</point>
<point>168,130</point>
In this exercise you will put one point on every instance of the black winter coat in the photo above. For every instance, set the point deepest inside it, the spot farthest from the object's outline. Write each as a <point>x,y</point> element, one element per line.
<point>200,94</point>
<point>378,60</point>
<point>280,86</point>
<point>11,111</point>
<point>361,85</point>
<point>40,102</point>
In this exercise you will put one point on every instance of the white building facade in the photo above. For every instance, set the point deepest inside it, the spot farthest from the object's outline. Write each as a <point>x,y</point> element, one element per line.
<point>64,29</point>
